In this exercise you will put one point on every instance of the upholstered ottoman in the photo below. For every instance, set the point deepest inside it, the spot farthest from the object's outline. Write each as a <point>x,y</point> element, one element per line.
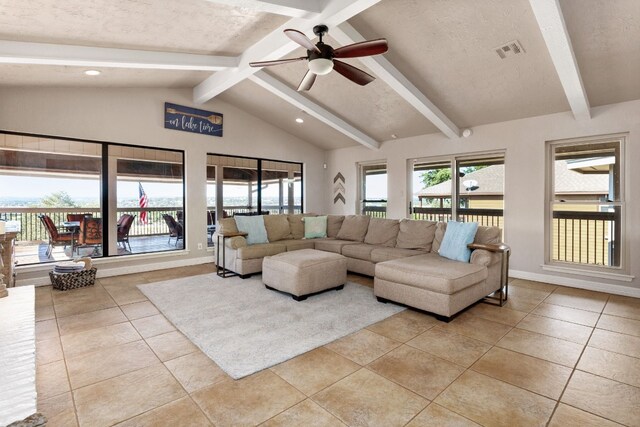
<point>304,272</point>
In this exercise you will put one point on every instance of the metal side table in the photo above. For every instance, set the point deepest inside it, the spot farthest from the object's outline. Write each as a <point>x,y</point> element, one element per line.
<point>505,251</point>
<point>221,269</point>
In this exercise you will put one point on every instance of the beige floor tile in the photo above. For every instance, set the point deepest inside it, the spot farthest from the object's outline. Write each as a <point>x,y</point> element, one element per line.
<point>138,310</point>
<point>568,416</point>
<point>494,313</point>
<point>171,345</point>
<point>530,284</point>
<point>315,370</point>
<point>615,342</point>
<point>404,326</point>
<point>45,312</point>
<point>578,298</point>
<point>120,398</point>
<point>363,346</point>
<point>623,306</point>
<point>48,351</point>
<point>615,366</point>
<point>51,379</point>
<point>94,319</point>
<point>195,371</point>
<point>179,413</point>
<point>82,300</point>
<point>365,398</point>
<point>604,397</point>
<point>43,296</point>
<point>416,370</point>
<point>581,317</point>
<point>249,401</point>
<point>59,410</point>
<point>125,294</point>
<point>449,346</point>
<point>542,346</point>
<point>46,330</point>
<point>153,325</point>
<point>437,416</point>
<point>90,368</point>
<point>521,304</point>
<point>306,413</point>
<point>532,294</point>
<point>492,402</point>
<point>83,294</point>
<point>530,373</point>
<point>556,328</point>
<point>99,338</point>
<point>361,280</point>
<point>622,325</point>
<point>130,280</point>
<point>477,328</point>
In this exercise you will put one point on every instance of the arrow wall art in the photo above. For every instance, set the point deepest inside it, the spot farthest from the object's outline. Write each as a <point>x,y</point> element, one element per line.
<point>338,188</point>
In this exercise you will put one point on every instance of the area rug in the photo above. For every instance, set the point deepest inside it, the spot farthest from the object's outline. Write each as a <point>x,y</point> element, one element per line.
<point>246,328</point>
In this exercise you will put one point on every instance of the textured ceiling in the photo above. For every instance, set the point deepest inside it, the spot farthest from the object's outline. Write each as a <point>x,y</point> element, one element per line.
<point>194,26</point>
<point>444,47</point>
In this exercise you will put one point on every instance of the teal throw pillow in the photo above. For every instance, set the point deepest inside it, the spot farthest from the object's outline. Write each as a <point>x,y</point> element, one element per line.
<point>315,227</point>
<point>456,238</point>
<point>254,225</point>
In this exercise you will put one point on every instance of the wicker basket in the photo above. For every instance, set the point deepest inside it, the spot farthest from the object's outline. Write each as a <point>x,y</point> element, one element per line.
<point>77,279</point>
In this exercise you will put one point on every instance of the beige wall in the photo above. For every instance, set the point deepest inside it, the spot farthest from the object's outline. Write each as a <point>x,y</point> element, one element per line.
<point>135,116</point>
<point>524,143</point>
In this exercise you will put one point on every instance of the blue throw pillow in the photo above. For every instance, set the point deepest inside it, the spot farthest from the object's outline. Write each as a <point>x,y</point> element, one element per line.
<point>254,225</point>
<point>315,227</point>
<point>456,238</point>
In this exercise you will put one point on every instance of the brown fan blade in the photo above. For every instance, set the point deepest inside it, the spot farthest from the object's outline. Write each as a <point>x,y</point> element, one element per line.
<point>366,48</point>
<point>301,39</point>
<point>354,74</point>
<point>307,81</point>
<point>275,62</point>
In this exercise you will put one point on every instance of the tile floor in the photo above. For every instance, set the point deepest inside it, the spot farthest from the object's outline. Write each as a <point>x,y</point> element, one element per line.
<point>552,356</point>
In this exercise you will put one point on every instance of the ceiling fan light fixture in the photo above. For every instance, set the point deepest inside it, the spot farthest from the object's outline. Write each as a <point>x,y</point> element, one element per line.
<point>320,66</point>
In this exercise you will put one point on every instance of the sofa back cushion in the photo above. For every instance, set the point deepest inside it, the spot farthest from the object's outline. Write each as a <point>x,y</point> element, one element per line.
<point>354,228</point>
<point>296,225</point>
<point>415,234</point>
<point>383,232</point>
<point>441,227</point>
<point>227,225</point>
<point>277,227</point>
<point>334,222</point>
<point>254,226</point>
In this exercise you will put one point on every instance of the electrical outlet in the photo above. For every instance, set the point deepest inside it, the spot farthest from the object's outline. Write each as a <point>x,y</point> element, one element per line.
<point>200,246</point>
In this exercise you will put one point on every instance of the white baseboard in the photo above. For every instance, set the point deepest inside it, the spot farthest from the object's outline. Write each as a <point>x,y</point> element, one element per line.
<point>576,283</point>
<point>118,271</point>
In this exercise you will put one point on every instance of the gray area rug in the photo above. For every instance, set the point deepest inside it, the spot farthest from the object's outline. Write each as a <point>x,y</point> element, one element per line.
<point>246,328</point>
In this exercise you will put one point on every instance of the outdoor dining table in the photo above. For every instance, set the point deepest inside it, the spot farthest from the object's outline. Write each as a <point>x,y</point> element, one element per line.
<point>74,228</point>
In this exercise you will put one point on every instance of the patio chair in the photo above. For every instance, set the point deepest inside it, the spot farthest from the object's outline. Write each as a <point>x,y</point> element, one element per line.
<point>124,225</point>
<point>90,234</point>
<point>175,229</point>
<point>55,238</point>
<point>77,217</point>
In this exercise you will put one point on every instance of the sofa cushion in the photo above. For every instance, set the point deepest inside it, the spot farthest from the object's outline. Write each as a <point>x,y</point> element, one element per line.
<point>277,227</point>
<point>456,238</point>
<point>432,272</point>
<point>359,251</point>
<point>254,227</point>
<point>334,222</point>
<point>315,227</point>
<point>295,244</point>
<point>354,228</point>
<point>332,245</point>
<point>488,235</point>
<point>260,250</point>
<point>227,225</point>
<point>381,254</point>
<point>416,234</point>
<point>296,225</point>
<point>437,239</point>
<point>382,232</point>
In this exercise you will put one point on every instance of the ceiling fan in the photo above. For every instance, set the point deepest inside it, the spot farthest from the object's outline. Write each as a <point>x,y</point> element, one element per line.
<point>322,60</point>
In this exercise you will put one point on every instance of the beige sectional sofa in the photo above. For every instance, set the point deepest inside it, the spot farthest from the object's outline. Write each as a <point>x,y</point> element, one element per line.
<point>401,255</point>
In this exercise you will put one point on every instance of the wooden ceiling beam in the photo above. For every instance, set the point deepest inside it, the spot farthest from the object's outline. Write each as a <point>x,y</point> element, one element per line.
<point>293,8</point>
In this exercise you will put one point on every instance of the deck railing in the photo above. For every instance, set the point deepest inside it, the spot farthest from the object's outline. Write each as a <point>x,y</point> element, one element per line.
<point>586,237</point>
<point>375,208</point>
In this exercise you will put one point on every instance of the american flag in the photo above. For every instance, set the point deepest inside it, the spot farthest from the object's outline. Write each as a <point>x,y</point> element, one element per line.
<point>143,202</point>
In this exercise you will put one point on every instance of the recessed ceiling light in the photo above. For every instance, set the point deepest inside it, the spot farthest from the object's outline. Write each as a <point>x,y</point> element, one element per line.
<point>394,136</point>
<point>299,120</point>
<point>93,72</point>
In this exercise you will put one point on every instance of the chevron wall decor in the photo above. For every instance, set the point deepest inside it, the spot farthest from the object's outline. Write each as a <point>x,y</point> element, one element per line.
<point>338,189</point>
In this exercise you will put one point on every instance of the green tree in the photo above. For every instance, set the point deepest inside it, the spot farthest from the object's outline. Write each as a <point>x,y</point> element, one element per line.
<point>436,176</point>
<point>59,199</point>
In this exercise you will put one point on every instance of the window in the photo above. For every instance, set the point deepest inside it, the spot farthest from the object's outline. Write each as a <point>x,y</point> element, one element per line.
<point>67,197</point>
<point>373,189</point>
<point>586,203</point>
<point>476,195</point>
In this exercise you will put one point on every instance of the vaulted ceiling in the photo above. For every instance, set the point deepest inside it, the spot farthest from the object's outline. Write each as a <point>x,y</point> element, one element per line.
<point>441,73</point>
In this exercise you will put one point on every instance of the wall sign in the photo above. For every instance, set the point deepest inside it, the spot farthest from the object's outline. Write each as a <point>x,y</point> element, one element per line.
<point>189,119</point>
<point>338,188</point>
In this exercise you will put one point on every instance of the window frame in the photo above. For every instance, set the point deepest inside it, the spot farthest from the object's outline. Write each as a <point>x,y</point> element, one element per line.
<point>362,185</point>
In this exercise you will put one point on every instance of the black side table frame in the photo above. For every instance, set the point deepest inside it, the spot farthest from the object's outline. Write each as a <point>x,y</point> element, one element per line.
<point>221,269</point>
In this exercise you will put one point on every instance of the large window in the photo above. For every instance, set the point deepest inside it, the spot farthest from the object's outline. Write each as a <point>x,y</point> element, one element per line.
<point>69,198</point>
<point>476,194</point>
<point>373,189</point>
<point>586,203</point>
